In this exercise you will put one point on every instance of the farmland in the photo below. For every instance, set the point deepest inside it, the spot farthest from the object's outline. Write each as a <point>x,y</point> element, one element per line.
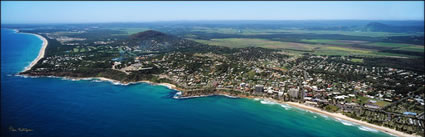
<point>243,42</point>
<point>320,47</point>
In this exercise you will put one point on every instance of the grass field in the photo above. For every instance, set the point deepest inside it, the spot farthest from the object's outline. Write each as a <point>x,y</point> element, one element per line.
<point>399,46</point>
<point>382,103</point>
<point>357,60</point>
<point>333,42</point>
<point>332,50</point>
<point>244,42</point>
<point>322,49</point>
<point>413,48</point>
<point>392,45</point>
<point>76,50</point>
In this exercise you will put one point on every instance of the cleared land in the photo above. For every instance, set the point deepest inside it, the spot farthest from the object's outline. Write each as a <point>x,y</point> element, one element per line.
<point>357,60</point>
<point>245,42</point>
<point>399,46</point>
<point>325,47</point>
<point>343,51</point>
<point>333,42</point>
<point>392,45</point>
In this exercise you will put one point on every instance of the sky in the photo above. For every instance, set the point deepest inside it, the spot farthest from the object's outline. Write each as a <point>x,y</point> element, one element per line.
<point>147,11</point>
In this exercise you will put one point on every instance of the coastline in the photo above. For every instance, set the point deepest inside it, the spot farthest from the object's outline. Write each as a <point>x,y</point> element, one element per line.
<point>337,116</point>
<point>40,53</point>
<point>168,85</point>
<point>115,82</point>
<point>174,87</point>
<point>340,117</point>
<point>349,119</point>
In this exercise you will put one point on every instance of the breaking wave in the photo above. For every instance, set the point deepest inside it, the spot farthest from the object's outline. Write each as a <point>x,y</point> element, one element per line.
<point>347,123</point>
<point>285,106</point>
<point>267,102</point>
<point>367,129</point>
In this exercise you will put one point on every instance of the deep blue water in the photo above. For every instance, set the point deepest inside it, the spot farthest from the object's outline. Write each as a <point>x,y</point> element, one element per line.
<point>57,107</point>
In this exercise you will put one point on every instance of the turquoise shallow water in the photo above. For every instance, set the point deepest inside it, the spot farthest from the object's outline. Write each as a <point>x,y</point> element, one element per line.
<point>57,107</point>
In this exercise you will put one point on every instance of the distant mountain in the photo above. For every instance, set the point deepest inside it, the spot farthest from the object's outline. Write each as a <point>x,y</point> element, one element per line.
<point>157,41</point>
<point>376,26</point>
<point>380,27</point>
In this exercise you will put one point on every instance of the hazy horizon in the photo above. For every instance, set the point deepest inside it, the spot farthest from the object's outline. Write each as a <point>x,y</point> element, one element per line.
<point>140,12</point>
<point>206,21</point>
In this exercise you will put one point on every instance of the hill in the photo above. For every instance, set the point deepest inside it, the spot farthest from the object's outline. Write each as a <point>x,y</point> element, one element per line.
<point>156,41</point>
<point>380,27</point>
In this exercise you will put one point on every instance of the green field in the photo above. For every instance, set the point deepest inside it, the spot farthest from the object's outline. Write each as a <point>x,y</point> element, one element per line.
<point>392,45</point>
<point>76,50</point>
<point>399,46</point>
<point>413,48</point>
<point>332,42</point>
<point>322,49</point>
<point>357,60</point>
<point>382,103</point>
<point>343,51</point>
<point>244,42</point>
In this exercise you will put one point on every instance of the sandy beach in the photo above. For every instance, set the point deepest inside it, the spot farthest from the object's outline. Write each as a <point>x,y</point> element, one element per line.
<point>333,115</point>
<point>346,118</point>
<point>40,53</point>
<point>168,85</point>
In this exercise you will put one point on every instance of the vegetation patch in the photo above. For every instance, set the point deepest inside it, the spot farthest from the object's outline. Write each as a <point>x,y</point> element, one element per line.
<point>357,60</point>
<point>331,108</point>
<point>246,42</point>
<point>384,44</point>
<point>412,48</point>
<point>324,41</point>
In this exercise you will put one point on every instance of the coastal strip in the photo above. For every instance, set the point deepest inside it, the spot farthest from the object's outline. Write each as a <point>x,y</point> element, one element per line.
<point>346,118</point>
<point>337,116</point>
<point>40,53</point>
<point>292,104</point>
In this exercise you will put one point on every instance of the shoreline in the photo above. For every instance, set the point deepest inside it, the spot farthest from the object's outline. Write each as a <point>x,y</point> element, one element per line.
<point>339,117</point>
<point>349,119</point>
<point>174,87</point>
<point>40,53</point>
<point>336,116</point>
<point>115,82</point>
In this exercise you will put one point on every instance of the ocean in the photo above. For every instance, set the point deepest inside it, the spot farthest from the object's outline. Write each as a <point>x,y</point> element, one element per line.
<point>60,107</point>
